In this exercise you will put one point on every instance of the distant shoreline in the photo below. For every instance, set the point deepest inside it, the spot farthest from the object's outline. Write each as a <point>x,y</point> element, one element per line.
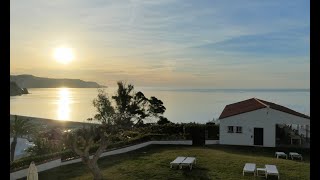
<point>51,123</point>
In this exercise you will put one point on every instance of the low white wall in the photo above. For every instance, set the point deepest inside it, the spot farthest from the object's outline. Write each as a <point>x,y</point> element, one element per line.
<point>56,163</point>
<point>126,149</point>
<point>182,142</point>
<point>208,142</point>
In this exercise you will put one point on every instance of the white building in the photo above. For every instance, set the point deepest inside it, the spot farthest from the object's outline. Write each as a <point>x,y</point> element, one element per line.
<point>252,122</point>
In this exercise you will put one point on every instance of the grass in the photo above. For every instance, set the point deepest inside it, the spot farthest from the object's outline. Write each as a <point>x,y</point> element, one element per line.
<point>213,162</point>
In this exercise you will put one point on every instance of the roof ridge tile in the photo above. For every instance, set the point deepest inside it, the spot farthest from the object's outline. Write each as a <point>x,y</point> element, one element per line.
<point>262,102</point>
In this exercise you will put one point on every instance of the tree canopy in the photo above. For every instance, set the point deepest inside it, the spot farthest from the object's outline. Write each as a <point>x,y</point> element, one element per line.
<point>129,108</point>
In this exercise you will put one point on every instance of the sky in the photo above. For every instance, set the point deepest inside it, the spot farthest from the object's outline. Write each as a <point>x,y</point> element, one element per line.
<point>167,43</point>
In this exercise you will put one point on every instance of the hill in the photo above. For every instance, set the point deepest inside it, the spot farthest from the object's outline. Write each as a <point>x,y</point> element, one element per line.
<point>30,81</point>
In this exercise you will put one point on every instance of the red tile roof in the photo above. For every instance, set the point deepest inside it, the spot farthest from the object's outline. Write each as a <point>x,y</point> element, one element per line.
<point>254,104</point>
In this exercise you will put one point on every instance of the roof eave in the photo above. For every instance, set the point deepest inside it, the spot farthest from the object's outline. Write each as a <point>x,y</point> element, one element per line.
<point>242,113</point>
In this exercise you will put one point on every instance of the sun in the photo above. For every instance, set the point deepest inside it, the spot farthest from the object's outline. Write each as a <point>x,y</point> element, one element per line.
<point>63,55</point>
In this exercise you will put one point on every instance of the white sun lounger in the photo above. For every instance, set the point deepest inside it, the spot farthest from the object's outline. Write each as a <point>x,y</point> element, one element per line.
<point>177,161</point>
<point>272,170</point>
<point>295,155</point>
<point>189,161</point>
<point>278,154</point>
<point>249,168</point>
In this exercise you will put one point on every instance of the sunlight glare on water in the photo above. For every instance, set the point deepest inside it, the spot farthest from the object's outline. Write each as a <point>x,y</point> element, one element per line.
<point>63,110</point>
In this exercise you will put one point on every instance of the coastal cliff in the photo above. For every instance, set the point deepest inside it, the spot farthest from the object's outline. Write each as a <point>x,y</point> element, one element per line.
<point>15,90</point>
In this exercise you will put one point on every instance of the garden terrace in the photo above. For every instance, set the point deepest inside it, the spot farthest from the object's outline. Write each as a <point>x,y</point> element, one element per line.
<point>213,162</point>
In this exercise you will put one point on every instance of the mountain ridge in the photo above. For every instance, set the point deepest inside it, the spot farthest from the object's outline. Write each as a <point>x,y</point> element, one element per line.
<point>31,81</point>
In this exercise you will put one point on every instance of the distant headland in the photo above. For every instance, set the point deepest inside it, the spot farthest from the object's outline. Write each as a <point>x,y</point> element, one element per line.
<point>30,81</point>
<point>15,90</point>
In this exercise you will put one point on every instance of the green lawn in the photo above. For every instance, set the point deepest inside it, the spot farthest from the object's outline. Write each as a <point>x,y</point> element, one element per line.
<point>213,162</point>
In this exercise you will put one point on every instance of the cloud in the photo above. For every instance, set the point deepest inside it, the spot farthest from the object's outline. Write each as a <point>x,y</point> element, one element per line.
<point>289,43</point>
<point>167,42</point>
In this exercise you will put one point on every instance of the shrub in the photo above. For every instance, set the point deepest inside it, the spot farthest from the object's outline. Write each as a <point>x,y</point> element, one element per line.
<point>181,130</point>
<point>68,155</point>
<point>163,120</point>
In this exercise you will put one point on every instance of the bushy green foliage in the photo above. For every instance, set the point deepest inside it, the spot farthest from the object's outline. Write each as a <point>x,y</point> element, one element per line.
<point>163,129</point>
<point>129,134</point>
<point>184,129</point>
<point>68,155</point>
<point>163,120</point>
<point>44,146</point>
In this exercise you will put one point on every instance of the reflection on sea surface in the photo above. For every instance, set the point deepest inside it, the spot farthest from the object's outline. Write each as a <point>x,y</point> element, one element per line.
<point>64,104</point>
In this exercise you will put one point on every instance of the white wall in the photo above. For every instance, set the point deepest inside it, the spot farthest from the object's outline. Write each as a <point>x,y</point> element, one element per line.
<point>265,118</point>
<point>208,142</point>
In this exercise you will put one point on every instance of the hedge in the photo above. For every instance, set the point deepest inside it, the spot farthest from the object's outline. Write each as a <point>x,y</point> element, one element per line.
<point>183,129</point>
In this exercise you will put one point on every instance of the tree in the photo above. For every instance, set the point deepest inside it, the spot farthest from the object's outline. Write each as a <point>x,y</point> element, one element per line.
<point>129,107</point>
<point>105,111</point>
<point>19,128</point>
<point>163,120</point>
<point>46,142</point>
<point>156,106</point>
<point>81,140</point>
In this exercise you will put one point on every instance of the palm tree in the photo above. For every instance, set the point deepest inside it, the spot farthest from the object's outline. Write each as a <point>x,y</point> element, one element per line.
<point>19,128</point>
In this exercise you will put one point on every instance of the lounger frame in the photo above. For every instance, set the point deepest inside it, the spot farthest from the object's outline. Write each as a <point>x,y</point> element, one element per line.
<point>189,161</point>
<point>177,161</point>
<point>292,156</point>
<point>246,171</point>
<point>277,154</point>
<point>270,173</point>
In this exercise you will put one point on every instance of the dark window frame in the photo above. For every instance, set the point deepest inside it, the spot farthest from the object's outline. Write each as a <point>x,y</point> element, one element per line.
<point>237,129</point>
<point>229,130</point>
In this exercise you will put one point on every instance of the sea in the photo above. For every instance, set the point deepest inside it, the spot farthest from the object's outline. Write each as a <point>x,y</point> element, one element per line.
<point>183,105</point>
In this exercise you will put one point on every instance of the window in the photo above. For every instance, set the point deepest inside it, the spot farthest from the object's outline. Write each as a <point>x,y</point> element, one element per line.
<point>230,129</point>
<point>239,129</point>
